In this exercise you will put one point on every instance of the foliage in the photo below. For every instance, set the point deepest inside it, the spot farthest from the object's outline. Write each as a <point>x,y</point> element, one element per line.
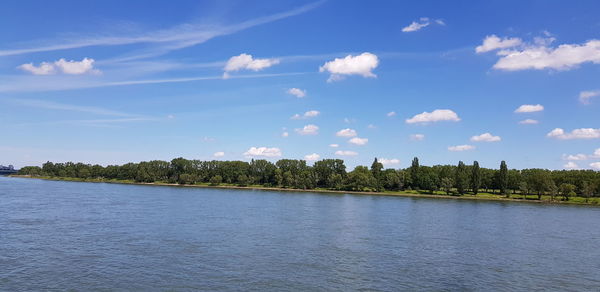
<point>578,185</point>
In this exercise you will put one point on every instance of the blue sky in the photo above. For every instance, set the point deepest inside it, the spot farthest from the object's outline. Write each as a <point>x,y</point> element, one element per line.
<point>110,82</point>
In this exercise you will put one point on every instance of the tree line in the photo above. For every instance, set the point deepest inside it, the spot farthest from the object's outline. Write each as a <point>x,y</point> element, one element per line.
<point>331,174</point>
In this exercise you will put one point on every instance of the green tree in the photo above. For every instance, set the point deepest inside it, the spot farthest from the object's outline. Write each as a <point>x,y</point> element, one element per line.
<point>216,180</point>
<point>361,179</point>
<point>376,168</point>
<point>587,190</point>
<point>460,178</point>
<point>503,179</point>
<point>475,177</point>
<point>447,184</point>
<point>414,172</point>
<point>567,190</point>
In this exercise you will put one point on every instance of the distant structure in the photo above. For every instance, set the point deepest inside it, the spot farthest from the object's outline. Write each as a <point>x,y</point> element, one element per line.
<point>6,170</point>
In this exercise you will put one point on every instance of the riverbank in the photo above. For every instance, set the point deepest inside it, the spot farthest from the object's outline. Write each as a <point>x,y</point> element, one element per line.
<point>410,194</point>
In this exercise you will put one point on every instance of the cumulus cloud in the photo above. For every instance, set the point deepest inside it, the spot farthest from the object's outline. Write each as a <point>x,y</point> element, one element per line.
<point>387,162</point>
<point>435,116</point>
<point>585,96</point>
<point>85,66</point>
<point>334,145</point>
<point>308,130</point>
<point>247,62</point>
<point>312,157</point>
<point>579,156</point>
<point>362,65</point>
<point>540,56</point>
<point>391,114</point>
<point>306,115</point>
<point>358,141</point>
<point>417,137</point>
<point>219,154</point>
<point>423,22</point>
<point>595,165</point>
<point>529,122</point>
<point>461,148</point>
<point>345,153</point>
<point>570,165</point>
<point>285,134</point>
<point>297,92</point>
<point>529,108</point>
<point>583,133</point>
<point>493,42</point>
<point>485,137</point>
<point>346,133</point>
<point>263,152</point>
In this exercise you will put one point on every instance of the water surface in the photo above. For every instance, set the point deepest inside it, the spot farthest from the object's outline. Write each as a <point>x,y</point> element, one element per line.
<point>107,237</point>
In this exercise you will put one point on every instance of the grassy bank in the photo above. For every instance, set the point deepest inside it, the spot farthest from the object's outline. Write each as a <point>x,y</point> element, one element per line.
<point>409,193</point>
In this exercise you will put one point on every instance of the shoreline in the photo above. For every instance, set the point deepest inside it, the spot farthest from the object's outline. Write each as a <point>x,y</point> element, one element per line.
<point>276,189</point>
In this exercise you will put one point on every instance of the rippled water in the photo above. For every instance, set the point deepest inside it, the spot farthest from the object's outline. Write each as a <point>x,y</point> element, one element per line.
<point>100,237</point>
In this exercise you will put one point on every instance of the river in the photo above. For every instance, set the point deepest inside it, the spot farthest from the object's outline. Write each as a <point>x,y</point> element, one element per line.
<point>110,237</point>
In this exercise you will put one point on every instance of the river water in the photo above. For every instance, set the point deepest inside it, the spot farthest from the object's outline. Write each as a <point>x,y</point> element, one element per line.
<point>109,237</point>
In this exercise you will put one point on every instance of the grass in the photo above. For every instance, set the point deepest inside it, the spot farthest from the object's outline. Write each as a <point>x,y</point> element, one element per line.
<point>406,193</point>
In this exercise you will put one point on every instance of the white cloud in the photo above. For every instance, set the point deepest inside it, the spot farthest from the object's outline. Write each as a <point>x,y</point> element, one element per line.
<point>263,151</point>
<point>461,148</point>
<point>415,26</point>
<point>67,67</point>
<point>387,162</point>
<point>596,153</point>
<point>571,165</point>
<point>308,130</point>
<point>346,133</point>
<point>358,141</point>
<point>334,145</point>
<point>435,116</point>
<point>492,42</point>
<point>539,57</point>
<point>371,126</point>
<point>486,137</point>
<point>583,133</point>
<point>312,157</point>
<point>306,115</point>
<point>529,122</point>
<point>530,108</point>
<point>247,62</point>
<point>219,154</point>
<point>43,69</point>
<point>285,134</point>
<point>417,137</point>
<point>361,65</point>
<point>579,156</point>
<point>345,153</point>
<point>297,92</point>
<point>595,165</point>
<point>391,114</point>
<point>423,22</point>
<point>585,96</point>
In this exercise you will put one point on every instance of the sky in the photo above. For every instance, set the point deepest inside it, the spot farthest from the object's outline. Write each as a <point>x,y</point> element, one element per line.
<point>112,82</point>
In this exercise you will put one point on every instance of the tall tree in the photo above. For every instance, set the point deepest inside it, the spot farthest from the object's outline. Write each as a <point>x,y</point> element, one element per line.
<point>475,178</point>
<point>414,172</point>
<point>460,178</point>
<point>503,178</point>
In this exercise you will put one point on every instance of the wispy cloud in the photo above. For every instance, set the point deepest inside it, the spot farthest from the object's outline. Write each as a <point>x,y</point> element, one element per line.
<point>174,38</point>
<point>58,83</point>
<point>68,107</point>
